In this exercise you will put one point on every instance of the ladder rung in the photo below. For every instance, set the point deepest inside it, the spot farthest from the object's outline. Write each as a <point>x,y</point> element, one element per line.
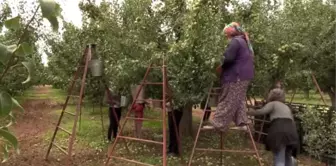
<point>64,130</point>
<point>61,149</point>
<point>156,67</point>
<point>224,150</point>
<point>141,140</point>
<point>210,110</point>
<point>260,132</point>
<point>73,96</point>
<point>152,83</point>
<point>158,120</point>
<point>70,113</point>
<point>229,129</point>
<point>260,120</point>
<point>149,100</point>
<point>132,161</point>
<point>214,93</point>
<point>207,128</point>
<point>252,106</point>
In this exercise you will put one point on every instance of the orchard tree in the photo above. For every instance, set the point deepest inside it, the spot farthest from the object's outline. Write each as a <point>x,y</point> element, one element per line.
<point>137,33</point>
<point>17,54</point>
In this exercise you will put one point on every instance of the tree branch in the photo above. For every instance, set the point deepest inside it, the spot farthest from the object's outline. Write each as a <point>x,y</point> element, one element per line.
<point>19,42</point>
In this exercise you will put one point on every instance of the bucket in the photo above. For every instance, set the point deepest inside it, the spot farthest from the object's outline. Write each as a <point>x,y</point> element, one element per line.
<point>96,67</point>
<point>123,101</point>
<point>141,97</point>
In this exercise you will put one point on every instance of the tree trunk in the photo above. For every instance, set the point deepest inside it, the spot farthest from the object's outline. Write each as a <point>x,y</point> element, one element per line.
<point>333,103</point>
<point>306,92</point>
<point>186,127</point>
<point>332,98</point>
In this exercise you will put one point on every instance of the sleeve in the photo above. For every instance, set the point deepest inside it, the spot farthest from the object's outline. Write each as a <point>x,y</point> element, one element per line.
<point>268,108</point>
<point>231,52</point>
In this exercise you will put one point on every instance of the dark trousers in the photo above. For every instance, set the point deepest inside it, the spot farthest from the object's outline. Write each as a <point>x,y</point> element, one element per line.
<point>173,143</point>
<point>113,122</point>
<point>207,114</point>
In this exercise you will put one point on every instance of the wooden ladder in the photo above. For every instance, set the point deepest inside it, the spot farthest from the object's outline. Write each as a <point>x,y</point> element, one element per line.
<point>128,117</point>
<point>221,150</point>
<point>82,68</point>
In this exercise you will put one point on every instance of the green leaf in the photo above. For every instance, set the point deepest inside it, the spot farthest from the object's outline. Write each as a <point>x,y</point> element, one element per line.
<point>13,23</point>
<point>5,103</point>
<point>17,104</point>
<point>12,48</point>
<point>10,138</point>
<point>3,54</point>
<point>24,49</point>
<point>50,10</point>
<point>5,153</point>
<point>6,52</point>
<point>30,68</point>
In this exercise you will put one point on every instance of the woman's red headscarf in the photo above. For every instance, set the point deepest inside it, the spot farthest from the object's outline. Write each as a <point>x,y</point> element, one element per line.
<point>234,28</point>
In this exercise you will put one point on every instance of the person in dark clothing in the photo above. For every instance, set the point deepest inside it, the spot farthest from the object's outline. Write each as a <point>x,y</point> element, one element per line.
<point>282,135</point>
<point>174,115</point>
<point>113,127</point>
<point>114,113</point>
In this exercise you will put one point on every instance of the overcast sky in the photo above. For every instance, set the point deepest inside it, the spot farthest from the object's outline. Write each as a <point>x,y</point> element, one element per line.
<point>70,12</point>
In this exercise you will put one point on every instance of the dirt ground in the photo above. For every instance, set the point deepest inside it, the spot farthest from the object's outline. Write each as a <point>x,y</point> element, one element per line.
<point>31,128</point>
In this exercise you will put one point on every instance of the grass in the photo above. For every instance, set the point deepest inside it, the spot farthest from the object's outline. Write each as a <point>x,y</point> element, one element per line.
<point>301,98</point>
<point>56,95</point>
<point>90,135</point>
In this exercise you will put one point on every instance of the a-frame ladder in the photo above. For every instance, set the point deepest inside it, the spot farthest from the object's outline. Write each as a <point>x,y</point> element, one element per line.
<point>221,150</point>
<point>81,73</point>
<point>129,117</point>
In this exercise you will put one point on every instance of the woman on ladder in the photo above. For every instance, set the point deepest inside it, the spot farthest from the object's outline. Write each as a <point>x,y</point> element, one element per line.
<point>236,71</point>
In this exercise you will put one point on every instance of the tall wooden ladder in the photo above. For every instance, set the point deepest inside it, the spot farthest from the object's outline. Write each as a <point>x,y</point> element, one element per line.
<point>81,73</point>
<point>214,92</point>
<point>128,117</point>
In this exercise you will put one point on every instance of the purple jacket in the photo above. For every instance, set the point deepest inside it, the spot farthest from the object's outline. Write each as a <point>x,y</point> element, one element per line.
<point>238,62</point>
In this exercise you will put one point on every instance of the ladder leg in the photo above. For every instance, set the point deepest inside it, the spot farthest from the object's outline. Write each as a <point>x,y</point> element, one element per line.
<point>164,125</point>
<point>102,120</point>
<point>101,110</point>
<point>62,113</point>
<point>199,128</point>
<point>221,147</point>
<point>79,104</point>
<point>56,129</point>
<point>196,140</point>
<point>54,135</point>
<point>262,127</point>
<point>254,145</point>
